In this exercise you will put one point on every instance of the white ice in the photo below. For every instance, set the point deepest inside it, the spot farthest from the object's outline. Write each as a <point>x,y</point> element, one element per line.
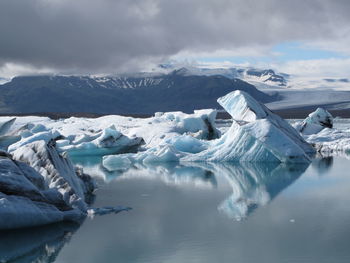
<point>256,135</point>
<point>39,186</point>
<point>315,122</point>
<point>319,130</point>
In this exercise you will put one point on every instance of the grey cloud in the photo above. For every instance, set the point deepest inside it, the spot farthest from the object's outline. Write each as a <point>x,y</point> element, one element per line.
<point>107,35</point>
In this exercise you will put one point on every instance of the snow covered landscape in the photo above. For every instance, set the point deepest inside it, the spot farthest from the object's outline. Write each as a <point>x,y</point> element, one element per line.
<point>39,181</point>
<point>170,131</point>
<point>51,170</point>
<point>40,185</point>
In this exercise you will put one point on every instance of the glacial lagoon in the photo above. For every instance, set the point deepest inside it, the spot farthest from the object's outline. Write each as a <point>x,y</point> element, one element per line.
<point>203,213</point>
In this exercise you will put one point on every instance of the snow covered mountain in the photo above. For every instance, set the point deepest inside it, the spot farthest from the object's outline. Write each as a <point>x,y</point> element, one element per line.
<point>136,94</point>
<point>300,94</point>
<point>267,76</point>
<point>3,80</point>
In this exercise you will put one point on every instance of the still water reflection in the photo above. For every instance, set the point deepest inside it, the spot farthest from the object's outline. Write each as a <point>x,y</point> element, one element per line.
<point>204,213</point>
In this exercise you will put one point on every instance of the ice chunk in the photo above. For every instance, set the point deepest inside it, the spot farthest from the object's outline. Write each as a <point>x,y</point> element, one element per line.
<point>107,210</point>
<point>39,186</point>
<point>256,135</point>
<point>58,171</point>
<point>316,121</point>
<point>45,136</point>
<point>319,130</point>
<point>105,142</point>
<point>244,108</point>
<point>329,141</point>
<point>6,125</point>
<point>259,141</point>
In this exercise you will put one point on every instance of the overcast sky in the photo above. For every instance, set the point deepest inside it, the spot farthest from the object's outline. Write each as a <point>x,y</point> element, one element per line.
<point>110,36</point>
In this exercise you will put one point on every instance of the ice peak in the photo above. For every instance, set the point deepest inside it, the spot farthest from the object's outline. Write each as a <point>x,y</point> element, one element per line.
<point>242,107</point>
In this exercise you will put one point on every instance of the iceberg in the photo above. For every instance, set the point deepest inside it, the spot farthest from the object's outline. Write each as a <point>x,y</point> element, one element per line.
<point>109,134</point>
<point>108,141</point>
<point>39,186</point>
<point>256,135</point>
<point>329,141</point>
<point>6,125</point>
<point>318,129</point>
<point>316,122</point>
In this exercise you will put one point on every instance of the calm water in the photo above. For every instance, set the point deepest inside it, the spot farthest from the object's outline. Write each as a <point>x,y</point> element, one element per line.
<point>204,213</point>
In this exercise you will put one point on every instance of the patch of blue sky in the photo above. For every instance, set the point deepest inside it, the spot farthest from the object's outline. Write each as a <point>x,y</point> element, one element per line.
<point>289,51</point>
<point>283,52</point>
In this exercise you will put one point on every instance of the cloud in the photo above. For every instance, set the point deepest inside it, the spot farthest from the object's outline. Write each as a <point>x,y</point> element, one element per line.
<point>332,67</point>
<point>107,36</point>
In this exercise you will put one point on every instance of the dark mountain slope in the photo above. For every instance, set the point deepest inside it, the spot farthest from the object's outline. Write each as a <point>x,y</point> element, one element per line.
<point>119,95</point>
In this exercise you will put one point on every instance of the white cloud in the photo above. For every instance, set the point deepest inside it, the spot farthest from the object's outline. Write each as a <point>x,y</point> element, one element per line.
<point>9,70</point>
<point>332,67</point>
<point>107,36</point>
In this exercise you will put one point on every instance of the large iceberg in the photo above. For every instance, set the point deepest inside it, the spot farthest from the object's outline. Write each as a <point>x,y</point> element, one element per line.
<point>39,186</point>
<point>256,135</point>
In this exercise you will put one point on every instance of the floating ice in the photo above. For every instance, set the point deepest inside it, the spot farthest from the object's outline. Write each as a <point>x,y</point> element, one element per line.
<point>256,135</point>
<point>107,210</point>
<point>39,186</point>
<point>107,141</point>
<point>315,122</point>
<point>318,129</point>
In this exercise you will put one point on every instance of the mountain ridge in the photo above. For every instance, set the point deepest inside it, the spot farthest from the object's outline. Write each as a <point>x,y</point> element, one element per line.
<point>119,95</point>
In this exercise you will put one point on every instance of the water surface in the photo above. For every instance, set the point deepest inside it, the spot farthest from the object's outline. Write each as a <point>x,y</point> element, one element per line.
<point>211,213</point>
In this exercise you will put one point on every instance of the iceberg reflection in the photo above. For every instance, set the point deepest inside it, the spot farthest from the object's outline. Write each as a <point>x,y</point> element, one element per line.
<point>253,184</point>
<point>37,244</point>
<point>169,173</point>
